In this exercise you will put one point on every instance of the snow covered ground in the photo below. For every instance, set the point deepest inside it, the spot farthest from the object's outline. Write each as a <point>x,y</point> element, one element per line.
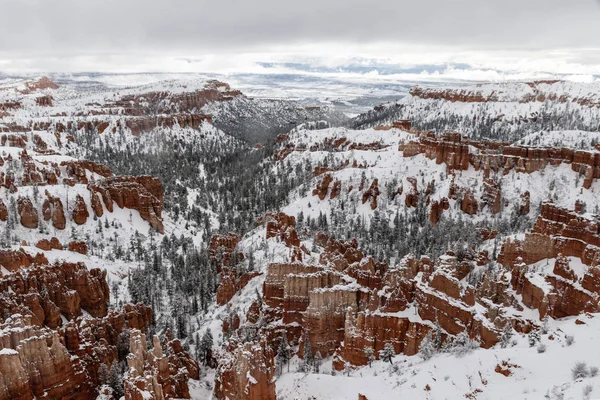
<point>533,375</point>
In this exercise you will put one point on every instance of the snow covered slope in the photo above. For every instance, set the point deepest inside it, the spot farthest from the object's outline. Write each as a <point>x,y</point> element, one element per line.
<point>502,111</point>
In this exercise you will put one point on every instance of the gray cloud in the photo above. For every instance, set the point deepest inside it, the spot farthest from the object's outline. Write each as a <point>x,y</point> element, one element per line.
<point>65,28</point>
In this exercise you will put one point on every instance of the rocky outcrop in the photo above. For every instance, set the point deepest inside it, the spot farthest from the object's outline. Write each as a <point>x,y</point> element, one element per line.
<point>469,204</point>
<point>525,203</point>
<point>283,226</point>
<point>375,331</point>
<point>96,204</point>
<point>230,284</point>
<point>52,209</point>
<point>3,211</point>
<point>141,193</point>
<point>156,374</point>
<point>492,197</point>
<point>556,231</point>
<point>437,208</point>
<point>222,250</point>
<point>44,101</point>
<point>14,260</point>
<point>35,364</point>
<point>322,187</point>
<point>371,194</point>
<point>454,151</point>
<point>70,286</point>
<point>246,372</point>
<point>27,213</point>
<point>80,211</point>
<point>78,247</point>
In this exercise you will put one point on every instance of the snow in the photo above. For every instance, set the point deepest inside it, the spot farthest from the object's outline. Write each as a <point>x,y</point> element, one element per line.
<point>8,352</point>
<point>451,377</point>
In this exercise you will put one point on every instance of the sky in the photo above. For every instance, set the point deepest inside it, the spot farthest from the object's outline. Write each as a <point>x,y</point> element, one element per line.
<point>383,39</point>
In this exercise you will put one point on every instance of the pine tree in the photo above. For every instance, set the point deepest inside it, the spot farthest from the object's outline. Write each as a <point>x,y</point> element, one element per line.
<point>115,380</point>
<point>370,354</point>
<point>283,353</point>
<point>103,374</point>
<point>506,335</point>
<point>206,345</point>
<point>317,362</point>
<point>427,348</point>
<point>307,354</point>
<point>533,338</point>
<point>387,353</point>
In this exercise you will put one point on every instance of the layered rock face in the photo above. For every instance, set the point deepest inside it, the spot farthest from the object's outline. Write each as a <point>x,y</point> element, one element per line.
<point>518,92</point>
<point>70,287</point>
<point>454,151</point>
<point>348,301</point>
<point>156,374</point>
<point>557,234</point>
<point>141,193</point>
<point>41,355</point>
<point>247,372</point>
<point>34,363</point>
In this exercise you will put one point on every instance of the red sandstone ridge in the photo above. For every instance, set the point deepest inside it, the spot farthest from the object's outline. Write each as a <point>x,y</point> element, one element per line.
<point>453,150</point>
<point>453,95</point>
<point>371,194</point>
<point>38,84</point>
<point>167,102</point>
<point>536,91</point>
<point>43,357</point>
<point>558,233</point>
<point>221,250</point>
<point>27,213</point>
<point>80,211</point>
<point>141,193</point>
<point>52,209</point>
<point>282,226</point>
<point>154,373</point>
<point>246,372</point>
<point>322,187</point>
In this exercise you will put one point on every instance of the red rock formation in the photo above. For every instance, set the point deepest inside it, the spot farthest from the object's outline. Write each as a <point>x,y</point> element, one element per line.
<point>70,286</point>
<point>41,83</point>
<point>491,196</point>
<point>375,331</point>
<point>14,260</point>
<point>322,187</point>
<point>525,203</point>
<point>230,284</point>
<point>221,249</point>
<point>412,198</point>
<point>140,193</point>
<point>437,208</point>
<point>53,209</point>
<point>371,194</point>
<point>469,204</point>
<point>78,247</point>
<point>283,226</point>
<point>556,231</point>
<point>454,95</point>
<point>44,101</point>
<point>337,189</point>
<point>96,204</point>
<point>3,211</point>
<point>37,365</point>
<point>80,211</point>
<point>28,214</point>
<point>246,372</point>
<point>153,373</point>
<point>453,150</point>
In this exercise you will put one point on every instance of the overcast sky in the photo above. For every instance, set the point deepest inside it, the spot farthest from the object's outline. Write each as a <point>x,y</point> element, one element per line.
<point>554,36</point>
